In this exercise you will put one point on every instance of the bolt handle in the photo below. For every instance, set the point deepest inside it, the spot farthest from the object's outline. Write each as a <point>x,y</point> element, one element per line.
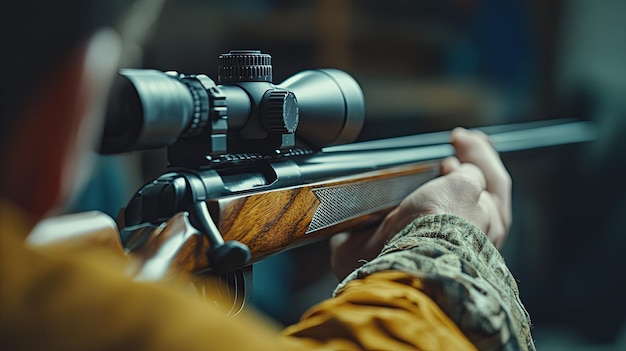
<point>229,256</point>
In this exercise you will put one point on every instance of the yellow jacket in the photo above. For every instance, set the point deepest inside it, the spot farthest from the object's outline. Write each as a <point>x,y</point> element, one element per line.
<point>65,299</point>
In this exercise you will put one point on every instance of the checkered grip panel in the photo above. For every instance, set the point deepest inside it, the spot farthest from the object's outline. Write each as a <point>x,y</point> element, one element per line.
<point>347,201</point>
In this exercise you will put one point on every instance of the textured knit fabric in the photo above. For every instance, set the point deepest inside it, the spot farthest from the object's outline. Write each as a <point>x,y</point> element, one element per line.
<point>464,274</point>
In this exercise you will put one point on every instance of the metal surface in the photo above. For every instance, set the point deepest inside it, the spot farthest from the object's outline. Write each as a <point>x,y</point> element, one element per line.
<point>372,155</point>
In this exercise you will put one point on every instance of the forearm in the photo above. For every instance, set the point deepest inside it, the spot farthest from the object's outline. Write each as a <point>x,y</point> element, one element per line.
<point>456,266</point>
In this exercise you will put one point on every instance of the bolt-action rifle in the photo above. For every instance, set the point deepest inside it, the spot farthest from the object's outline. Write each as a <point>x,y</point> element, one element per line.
<point>257,168</point>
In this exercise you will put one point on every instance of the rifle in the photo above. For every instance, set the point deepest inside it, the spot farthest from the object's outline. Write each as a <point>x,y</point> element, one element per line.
<point>241,186</point>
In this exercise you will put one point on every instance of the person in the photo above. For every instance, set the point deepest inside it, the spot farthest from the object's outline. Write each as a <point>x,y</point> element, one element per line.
<point>433,280</point>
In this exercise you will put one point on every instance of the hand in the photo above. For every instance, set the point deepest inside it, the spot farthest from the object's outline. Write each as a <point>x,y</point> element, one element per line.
<point>474,185</point>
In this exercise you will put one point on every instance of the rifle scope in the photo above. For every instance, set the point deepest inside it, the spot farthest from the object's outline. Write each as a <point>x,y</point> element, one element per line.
<point>198,119</point>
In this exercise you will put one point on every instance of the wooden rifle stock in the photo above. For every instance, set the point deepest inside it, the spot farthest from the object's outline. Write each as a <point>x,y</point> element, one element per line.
<point>272,221</point>
<point>77,231</point>
<point>271,206</point>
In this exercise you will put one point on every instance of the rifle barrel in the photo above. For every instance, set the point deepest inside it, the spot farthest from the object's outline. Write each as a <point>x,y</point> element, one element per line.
<point>378,154</point>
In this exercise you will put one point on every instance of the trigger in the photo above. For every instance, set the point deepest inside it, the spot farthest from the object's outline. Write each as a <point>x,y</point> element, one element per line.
<point>233,290</point>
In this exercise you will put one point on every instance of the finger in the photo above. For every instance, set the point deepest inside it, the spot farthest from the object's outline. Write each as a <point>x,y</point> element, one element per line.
<point>496,231</point>
<point>342,245</point>
<point>395,221</point>
<point>474,147</point>
<point>449,164</point>
<point>467,179</point>
<point>349,250</point>
<point>339,239</point>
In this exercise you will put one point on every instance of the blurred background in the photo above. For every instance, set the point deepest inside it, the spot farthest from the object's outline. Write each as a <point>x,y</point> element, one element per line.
<point>433,65</point>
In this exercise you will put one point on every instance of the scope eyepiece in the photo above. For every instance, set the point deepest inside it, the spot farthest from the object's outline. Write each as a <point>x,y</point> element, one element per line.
<point>246,113</point>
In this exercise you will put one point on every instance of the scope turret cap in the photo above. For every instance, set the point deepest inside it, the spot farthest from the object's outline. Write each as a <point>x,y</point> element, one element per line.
<point>279,111</point>
<point>244,66</point>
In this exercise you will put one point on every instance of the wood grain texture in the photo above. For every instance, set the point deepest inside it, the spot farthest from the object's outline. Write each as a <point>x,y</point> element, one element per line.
<point>267,222</point>
<point>174,247</point>
<point>272,221</point>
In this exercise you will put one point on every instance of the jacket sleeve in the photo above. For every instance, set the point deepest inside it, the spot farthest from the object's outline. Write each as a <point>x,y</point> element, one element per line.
<point>441,259</point>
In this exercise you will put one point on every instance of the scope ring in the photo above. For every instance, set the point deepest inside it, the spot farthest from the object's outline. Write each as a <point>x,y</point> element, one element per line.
<point>217,101</point>
<point>200,114</point>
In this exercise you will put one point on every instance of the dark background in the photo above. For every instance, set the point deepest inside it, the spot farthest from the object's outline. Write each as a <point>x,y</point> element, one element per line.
<point>434,65</point>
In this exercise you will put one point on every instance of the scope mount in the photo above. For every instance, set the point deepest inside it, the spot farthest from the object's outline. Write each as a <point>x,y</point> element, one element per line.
<point>269,130</point>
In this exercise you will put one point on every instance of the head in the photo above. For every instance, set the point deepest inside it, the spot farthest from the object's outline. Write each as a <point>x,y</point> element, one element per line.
<point>59,60</point>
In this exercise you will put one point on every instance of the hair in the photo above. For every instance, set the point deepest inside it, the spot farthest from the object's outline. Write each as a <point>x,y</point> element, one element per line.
<point>37,35</point>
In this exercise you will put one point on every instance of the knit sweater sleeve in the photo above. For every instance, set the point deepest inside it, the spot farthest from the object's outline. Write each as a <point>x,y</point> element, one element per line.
<point>464,274</point>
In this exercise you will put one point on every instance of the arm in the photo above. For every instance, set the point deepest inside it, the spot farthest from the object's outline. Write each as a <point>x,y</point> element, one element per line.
<point>440,257</point>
